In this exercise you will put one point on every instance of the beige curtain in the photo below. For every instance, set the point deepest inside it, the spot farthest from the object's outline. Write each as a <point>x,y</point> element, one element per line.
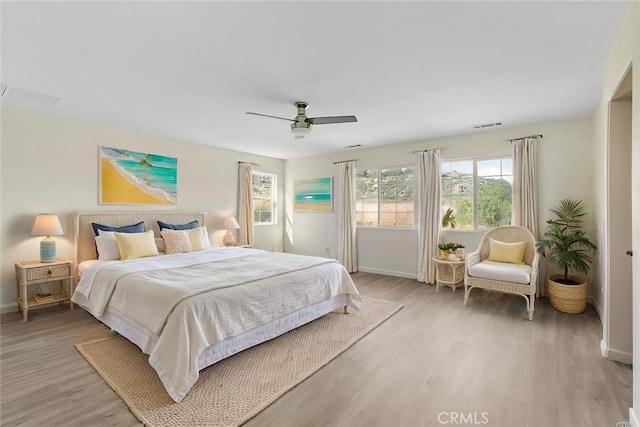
<point>245,204</point>
<point>525,191</point>
<point>347,249</point>
<point>429,194</point>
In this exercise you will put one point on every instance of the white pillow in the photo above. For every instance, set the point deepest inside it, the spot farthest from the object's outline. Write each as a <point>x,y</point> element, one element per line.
<point>107,247</point>
<point>176,241</point>
<point>159,244</point>
<point>205,237</point>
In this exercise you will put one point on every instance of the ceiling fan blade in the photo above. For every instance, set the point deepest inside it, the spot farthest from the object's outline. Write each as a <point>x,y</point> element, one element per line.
<point>332,119</point>
<point>267,115</point>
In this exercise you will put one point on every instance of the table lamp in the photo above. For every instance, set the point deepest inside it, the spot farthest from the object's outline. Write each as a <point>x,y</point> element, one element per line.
<point>230,223</point>
<point>47,225</point>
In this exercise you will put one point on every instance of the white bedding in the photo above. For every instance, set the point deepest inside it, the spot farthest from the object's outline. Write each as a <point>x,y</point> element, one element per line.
<point>168,300</point>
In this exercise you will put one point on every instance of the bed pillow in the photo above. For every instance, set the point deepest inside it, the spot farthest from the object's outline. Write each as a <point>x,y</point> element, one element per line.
<point>133,228</point>
<point>205,237</point>
<point>187,226</point>
<point>176,241</point>
<point>136,245</point>
<point>107,247</point>
<point>196,238</point>
<point>159,244</point>
<point>512,253</point>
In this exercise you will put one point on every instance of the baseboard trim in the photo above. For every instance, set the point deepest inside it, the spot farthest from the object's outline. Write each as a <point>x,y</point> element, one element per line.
<point>618,356</point>
<point>8,308</point>
<point>388,272</point>
<point>594,303</point>
<point>633,418</point>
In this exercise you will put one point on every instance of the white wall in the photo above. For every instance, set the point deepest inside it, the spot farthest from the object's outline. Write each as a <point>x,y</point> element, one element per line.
<point>565,159</point>
<point>50,164</point>
<point>625,52</point>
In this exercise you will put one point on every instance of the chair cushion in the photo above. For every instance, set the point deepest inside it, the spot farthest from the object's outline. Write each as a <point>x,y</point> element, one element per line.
<point>502,271</point>
<point>507,252</point>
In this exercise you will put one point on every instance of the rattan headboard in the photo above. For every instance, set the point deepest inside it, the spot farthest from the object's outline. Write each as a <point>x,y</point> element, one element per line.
<point>85,237</point>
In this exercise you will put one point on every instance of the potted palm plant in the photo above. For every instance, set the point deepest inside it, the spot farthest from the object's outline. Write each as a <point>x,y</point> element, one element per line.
<point>449,219</point>
<point>569,249</point>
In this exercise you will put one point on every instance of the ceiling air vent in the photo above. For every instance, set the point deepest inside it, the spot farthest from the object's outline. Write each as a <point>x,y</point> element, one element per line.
<point>487,125</point>
<point>27,95</point>
<point>353,146</point>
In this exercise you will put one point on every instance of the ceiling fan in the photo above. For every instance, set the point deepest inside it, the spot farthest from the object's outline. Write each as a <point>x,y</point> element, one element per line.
<point>301,125</point>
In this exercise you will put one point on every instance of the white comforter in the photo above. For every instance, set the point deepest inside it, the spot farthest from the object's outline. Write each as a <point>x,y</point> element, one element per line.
<point>191,301</point>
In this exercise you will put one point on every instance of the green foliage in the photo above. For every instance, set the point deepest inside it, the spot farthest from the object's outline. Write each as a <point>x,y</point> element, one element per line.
<point>449,219</point>
<point>565,241</point>
<point>451,247</point>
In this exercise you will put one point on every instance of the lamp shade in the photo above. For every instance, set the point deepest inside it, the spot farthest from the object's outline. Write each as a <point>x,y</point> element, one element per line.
<point>230,223</point>
<point>47,225</point>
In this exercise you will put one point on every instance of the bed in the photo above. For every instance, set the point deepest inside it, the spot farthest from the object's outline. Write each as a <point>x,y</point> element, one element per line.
<point>190,310</point>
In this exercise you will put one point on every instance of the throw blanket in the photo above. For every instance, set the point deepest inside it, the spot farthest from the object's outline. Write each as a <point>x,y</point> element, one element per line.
<point>180,278</point>
<point>187,302</point>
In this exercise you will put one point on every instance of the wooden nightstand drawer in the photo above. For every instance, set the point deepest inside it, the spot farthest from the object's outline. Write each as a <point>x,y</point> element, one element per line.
<point>48,273</point>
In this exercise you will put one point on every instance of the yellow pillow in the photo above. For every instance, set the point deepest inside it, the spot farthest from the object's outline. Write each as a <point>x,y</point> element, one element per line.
<point>507,252</point>
<point>136,245</point>
<point>196,238</point>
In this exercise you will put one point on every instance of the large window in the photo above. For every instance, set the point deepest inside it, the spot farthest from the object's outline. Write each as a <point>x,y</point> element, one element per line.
<point>479,191</point>
<point>264,198</point>
<point>384,197</point>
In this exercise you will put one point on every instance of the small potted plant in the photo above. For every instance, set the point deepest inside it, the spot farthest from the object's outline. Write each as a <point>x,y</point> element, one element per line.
<point>568,248</point>
<point>447,249</point>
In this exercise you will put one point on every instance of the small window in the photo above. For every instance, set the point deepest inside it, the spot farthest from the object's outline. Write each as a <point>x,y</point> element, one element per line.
<point>264,198</point>
<point>479,191</point>
<point>384,197</point>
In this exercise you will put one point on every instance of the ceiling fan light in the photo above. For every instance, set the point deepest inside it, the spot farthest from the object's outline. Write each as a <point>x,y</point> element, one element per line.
<point>300,130</point>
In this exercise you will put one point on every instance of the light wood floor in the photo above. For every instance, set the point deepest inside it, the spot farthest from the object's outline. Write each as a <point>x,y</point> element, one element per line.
<point>434,360</point>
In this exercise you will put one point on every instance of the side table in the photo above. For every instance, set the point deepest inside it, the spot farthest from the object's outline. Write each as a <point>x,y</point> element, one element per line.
<point>450,273</point>
<point>30,273</point>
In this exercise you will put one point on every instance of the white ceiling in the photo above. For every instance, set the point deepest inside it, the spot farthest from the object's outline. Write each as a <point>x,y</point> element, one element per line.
<point>410,71</point>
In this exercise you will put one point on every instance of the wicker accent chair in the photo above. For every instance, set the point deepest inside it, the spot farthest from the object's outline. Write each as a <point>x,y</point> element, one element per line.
<point>504,272</point>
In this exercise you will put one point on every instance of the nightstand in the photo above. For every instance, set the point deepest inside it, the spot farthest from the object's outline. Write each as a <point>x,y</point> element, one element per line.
<point>29,273</point>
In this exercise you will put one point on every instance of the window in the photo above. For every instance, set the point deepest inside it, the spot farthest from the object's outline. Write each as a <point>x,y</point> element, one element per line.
<point>384,197</point>
<point>264,198</point>
<point>479,191</point>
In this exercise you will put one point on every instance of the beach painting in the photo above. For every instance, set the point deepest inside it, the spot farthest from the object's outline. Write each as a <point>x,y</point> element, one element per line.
<point>313,195</point>
<point>135,178</point>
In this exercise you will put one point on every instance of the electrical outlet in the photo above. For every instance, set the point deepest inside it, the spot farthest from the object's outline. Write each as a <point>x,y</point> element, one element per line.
<point>327,250</point>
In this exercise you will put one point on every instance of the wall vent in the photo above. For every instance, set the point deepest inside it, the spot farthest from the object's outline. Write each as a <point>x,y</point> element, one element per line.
<point>27,95</point>
<point>487,125</point>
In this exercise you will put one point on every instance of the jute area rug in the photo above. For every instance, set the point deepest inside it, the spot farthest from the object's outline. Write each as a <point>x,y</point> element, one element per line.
<point>234,390</point>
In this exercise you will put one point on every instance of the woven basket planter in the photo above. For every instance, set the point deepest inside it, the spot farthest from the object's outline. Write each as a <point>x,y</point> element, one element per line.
<point>571,299</point>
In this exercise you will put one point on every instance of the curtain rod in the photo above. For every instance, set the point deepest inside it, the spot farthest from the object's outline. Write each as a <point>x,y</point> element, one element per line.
<point>523,137</point>
<point>248,163</point>
<point>344,161</point>
<point>424,151</point>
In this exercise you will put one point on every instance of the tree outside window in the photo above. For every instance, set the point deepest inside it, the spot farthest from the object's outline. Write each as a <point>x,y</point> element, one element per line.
<point>264,198</point>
